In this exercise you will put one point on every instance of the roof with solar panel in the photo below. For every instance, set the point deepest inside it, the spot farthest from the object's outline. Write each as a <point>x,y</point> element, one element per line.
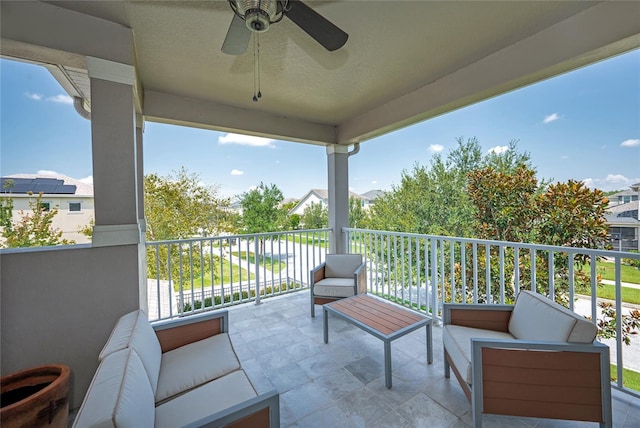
<point>48,185</point>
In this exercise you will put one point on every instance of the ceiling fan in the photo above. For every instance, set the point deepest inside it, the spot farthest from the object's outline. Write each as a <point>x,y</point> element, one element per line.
<point>257,15</point>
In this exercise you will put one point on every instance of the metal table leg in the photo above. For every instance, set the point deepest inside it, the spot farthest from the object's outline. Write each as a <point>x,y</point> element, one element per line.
<point>387,364</point>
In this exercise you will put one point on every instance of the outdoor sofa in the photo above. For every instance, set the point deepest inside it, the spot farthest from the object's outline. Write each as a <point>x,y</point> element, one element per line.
<point>176,373</point>
<point>535,358</point>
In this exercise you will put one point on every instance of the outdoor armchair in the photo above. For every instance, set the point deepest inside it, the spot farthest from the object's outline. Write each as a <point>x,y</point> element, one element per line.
<point>535,359</point>
<point>340,276</point>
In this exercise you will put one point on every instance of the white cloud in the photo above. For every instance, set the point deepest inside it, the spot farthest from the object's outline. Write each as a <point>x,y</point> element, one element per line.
<point>436,148</point>
<point>635,142</point>
<point>47,172</point>
<point>33,96</point>
<point>87,180</point>
<point>374,182</point>
<point>551,118</point>
<point>610,182</point>
<point>61,99</point>
<point>236,172</point>
<point>498,149</point>
<point>246,140</point>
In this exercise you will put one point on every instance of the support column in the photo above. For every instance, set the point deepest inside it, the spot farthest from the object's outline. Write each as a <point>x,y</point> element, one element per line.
<point>142,223</point>
<point>338,181</point>
<point>114,150</point>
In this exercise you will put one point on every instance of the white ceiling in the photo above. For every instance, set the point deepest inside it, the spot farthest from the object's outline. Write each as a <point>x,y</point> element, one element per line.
<point>404,61</point>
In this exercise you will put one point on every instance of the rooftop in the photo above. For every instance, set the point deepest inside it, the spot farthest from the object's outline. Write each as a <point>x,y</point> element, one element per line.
<point>341,384</point>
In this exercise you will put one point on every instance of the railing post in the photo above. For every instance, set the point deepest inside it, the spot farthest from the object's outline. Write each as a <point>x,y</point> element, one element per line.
<point>256,251</point>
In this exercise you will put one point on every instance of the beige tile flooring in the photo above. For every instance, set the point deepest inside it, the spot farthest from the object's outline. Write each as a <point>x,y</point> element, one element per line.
<point>341,384</point>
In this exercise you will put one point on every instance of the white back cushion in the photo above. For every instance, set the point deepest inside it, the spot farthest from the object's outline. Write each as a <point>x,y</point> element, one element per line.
<point>192,365</point>
<point>119,395</point>
<point>341,265</point>
<point>535,317</point>
<point>134,331</point>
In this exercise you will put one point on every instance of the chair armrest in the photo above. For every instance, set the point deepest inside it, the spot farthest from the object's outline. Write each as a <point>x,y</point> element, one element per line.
<point>260,411</point>
<point>487,317</point>
<point>361,278</point>
<point>178,332</point>
<point>317,273</point>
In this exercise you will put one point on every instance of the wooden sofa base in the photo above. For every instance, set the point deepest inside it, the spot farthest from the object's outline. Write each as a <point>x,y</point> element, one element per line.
<point>544,384</point>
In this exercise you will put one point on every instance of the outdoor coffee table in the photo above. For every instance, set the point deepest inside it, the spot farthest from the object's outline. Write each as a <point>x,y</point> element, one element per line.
<point>386,321</point>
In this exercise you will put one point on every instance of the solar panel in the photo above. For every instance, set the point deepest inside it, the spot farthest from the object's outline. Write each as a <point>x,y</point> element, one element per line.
<point>49,186</point>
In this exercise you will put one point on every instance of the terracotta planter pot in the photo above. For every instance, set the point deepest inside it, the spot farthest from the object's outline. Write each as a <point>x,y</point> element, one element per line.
<point>36,397</point>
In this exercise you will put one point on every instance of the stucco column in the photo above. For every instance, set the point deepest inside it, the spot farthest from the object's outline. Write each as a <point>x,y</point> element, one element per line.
<point>142,223</point>
<point>114,150</point>
<point>338,181</point>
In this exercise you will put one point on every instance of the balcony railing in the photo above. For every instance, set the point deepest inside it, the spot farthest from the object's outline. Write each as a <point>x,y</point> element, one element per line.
<point>191,275</point>
<point>423,271</point>
<point>418,271</point>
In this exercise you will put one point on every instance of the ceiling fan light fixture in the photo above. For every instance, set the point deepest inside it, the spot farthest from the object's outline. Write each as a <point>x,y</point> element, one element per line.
<point>258,14</point>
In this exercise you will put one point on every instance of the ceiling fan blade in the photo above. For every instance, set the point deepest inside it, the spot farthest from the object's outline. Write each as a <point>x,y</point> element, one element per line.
<point>315,25</point>
<point>237,39</point>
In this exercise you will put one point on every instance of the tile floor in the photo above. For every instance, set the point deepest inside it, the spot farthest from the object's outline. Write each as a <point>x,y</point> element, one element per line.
<point>341,384</point>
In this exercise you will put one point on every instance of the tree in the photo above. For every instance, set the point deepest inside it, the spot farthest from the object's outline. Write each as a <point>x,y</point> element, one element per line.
<point>357,213</point>
<point>179,206</point>
<point>315,216</point>
<point>34,228</point>
<point>293,220</point>
<point>506,208</point>
<point>262,210</point>
<point>432,200</point>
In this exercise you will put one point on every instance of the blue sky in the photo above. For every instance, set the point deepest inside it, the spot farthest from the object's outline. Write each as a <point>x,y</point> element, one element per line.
<point>583,125</point>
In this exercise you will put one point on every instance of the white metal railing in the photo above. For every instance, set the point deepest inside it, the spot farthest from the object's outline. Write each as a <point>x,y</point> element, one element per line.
<point>186,276</point>
<point>424,271</point>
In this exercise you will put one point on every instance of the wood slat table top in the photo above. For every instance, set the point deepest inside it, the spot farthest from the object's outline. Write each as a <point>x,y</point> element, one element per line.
<point>386,318</point>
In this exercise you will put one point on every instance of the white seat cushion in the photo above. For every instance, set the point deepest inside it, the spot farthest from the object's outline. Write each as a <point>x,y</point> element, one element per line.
<point>119,394</point>
<point>191,365</point>
<point>457,342</point>
<point>341,265</point>
<point>134,331</point>
<point>334,287</point>
<point>535,317</point>
<point>205,400</point>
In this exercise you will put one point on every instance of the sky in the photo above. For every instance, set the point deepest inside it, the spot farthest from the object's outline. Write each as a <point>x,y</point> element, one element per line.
<point>583,125</point>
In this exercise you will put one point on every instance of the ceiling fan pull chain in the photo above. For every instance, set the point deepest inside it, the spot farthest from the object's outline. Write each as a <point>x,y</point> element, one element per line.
<point>256,67</point>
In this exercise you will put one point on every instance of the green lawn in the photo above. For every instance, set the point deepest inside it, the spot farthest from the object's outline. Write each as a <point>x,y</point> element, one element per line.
<point>629,295</point>
<point>271,264</point>
<point>631,379</point>
<point>227,277</point>
<point>320,242</point>
<point>607,271</point>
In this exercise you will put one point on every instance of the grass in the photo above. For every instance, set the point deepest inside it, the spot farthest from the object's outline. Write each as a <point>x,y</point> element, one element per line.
<point>273,265</point>
<point>629,295</point>
<point>630,379</point>
<point>607,271</point>
<point>229,275</point>
<point>320,242</point>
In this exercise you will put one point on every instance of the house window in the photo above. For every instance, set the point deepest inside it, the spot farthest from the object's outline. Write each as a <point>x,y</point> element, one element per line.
<point>75,207</point>
<point>45,206</point>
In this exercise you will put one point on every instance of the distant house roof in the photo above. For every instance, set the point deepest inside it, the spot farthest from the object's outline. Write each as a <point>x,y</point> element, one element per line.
<point>373,194</point>
<point>616,209</point>
<point>45,184</point>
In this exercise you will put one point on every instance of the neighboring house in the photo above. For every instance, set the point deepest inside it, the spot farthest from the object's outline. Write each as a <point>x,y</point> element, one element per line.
<point>321,196</point>
<point>623,219</point>
<point>625,196</point>
<point>73,198</point>
<point>371,197</point>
